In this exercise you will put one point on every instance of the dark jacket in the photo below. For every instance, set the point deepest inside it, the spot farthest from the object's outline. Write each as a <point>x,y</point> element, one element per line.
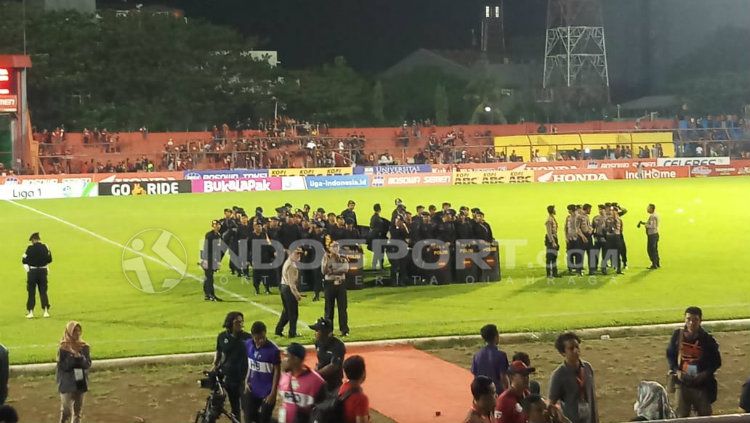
<point>709,362</point>
<point>66,363</point>
<point>4,373</point>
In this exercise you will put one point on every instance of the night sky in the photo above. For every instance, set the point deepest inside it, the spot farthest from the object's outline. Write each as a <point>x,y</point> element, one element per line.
<point>370,34</point>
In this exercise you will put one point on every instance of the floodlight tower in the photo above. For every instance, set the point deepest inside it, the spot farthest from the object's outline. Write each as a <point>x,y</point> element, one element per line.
<point>575,51</point>
<point>492,30</point>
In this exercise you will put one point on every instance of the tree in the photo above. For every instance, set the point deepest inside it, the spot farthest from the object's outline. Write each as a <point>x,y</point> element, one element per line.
<point>378,103</point>
<point>411,96</point>
<point>441,105</point>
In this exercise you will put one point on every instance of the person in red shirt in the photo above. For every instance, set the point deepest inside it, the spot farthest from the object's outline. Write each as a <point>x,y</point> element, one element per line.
<point>508,408</point>
<point>356,405</point>
<point>484,393</point>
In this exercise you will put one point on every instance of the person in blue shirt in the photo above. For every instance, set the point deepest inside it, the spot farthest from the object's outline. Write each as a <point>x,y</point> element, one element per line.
<point>490,361</point>
<point>264,361</point>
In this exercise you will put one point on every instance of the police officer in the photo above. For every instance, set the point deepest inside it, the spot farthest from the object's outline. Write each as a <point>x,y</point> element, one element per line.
<point>349,213</point>
<point>210,259</point>
<point>613,231</point>
<point>551,243</point>
<point>228,232</point>
<point>243,245</point>
<point>587,242</point>
<point>378,231</point>
<point>652,232</point>
<point>35,261</point>
<point>572,239</point>
<point>334,267</point>
<point>290,295</point>
<point>622,247</point>
<point>399,231</point>
<point>258,246</point>
<point>600,240</point>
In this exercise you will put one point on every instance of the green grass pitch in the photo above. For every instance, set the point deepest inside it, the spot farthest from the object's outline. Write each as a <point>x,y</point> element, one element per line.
<point>704,235</point>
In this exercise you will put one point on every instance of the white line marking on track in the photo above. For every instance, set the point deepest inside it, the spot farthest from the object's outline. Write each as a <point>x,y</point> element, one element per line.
<point>146,256</point>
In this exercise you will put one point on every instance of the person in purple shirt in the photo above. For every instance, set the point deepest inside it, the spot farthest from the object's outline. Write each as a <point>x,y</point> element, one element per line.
<point>490,361</point>
<point>264,361</point>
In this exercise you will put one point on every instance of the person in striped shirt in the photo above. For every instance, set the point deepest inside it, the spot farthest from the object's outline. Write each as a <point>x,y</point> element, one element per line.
<point>300,387</point>
<point>264,359</point>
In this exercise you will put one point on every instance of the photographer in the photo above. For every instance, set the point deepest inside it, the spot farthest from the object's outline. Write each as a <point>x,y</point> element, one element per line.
<point>73,362</point>
<point>335,268</point>
<point>264,360</point>
<point>231,358</point>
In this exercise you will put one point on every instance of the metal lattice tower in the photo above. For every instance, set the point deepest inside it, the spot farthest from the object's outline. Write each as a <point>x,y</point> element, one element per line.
<point>575,51</point>
<point>492,29</point>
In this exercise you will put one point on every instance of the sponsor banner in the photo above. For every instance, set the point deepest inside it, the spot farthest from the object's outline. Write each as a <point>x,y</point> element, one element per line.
<point>145,188</point>
<point>293,183</point>
<point>561,165</point>
<point>236,185</point>
<point>336,182</point>
<point>313,171</point>
<point>671,172</point>
<point>694,161</point>
<point>8,103</point>
<point>493,177</point>
<point>44,179</point>
<point>479,167</point>
<point>191,175</point>
<point>70,189</point>
<point>400,180</point>
<point>378,170</point>
<point>574,175</point>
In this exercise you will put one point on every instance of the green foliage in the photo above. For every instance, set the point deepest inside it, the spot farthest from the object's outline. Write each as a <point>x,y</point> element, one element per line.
<point>411,95</point>
<point>333,93</point>
<point>441,105</point>
<point>124,72</point>
<point>378,102</point>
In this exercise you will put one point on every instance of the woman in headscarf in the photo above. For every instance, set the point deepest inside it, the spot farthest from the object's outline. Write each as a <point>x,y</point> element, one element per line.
<point>652,402</point>
<point>73,363</point>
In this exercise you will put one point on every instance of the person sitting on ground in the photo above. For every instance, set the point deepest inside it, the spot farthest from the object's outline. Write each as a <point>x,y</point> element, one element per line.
<point>356,403</point>
<point>652,402</point>
<point>490,361</point>
<point>8,414</point>
<point>483,391</point>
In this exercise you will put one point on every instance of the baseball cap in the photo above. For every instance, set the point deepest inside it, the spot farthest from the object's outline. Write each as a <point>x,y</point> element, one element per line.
<point>296,350</point>
<point>323,325</point>
<point>520,367</point>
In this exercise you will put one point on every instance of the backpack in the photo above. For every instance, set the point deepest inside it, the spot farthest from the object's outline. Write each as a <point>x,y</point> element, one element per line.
<point>331,410</point>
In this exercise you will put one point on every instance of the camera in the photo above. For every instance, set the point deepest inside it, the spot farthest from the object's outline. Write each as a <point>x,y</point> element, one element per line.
<point>213,380</point>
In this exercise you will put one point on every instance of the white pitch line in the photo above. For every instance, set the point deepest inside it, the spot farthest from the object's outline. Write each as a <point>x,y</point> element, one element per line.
<point>146,256</point>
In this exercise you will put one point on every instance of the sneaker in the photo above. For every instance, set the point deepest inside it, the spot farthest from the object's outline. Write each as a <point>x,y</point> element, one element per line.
<point>344,334</point>
<point>46,312</point>
<point>217,299</point>
<point>207,299</point>
<point>30,315</point>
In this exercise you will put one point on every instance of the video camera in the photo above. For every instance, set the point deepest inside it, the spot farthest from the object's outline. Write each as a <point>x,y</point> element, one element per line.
<point>213,380</point>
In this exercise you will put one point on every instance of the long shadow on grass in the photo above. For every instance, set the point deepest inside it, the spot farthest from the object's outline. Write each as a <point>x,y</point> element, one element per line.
<point>584,283</point>
<point>421,292</point>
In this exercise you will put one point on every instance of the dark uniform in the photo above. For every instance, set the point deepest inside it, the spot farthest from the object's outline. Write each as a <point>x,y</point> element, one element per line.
<point>265,253</point>
<point>330,352</point>
<point>350,214</point>
<point>552,245</point>
<point>228,233</point>
<point>37,257</point>
<point>587,245</point>
<point>243,237</point>
<point>378,230</point>
<point>613,232</point>
<point>399,266</point>
<point>232,351</point>
<point>211,258</point>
